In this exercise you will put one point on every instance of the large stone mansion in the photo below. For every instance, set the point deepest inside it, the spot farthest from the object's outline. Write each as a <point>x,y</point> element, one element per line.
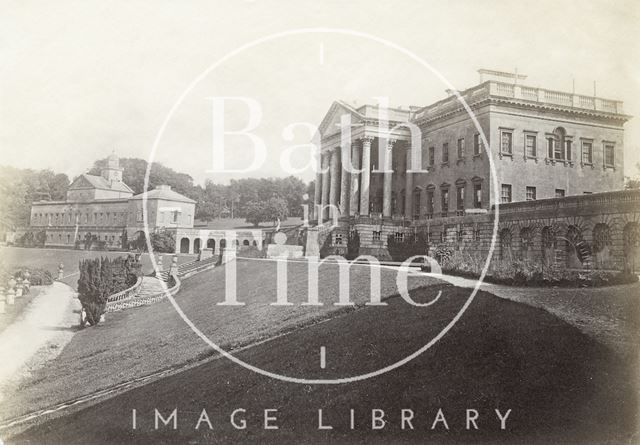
<point>550,150</point>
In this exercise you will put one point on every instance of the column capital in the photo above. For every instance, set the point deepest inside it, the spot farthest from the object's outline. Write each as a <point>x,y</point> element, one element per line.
<point>366,139</point>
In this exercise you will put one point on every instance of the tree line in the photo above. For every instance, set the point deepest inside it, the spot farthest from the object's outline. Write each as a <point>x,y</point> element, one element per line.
<point>19,188</point>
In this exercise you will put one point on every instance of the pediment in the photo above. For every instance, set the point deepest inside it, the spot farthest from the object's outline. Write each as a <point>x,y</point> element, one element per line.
<point>331,121</point>
<point>81,182</point>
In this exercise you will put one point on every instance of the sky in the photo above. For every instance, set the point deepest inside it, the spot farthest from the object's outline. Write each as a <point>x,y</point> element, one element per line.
<point>80,79</point>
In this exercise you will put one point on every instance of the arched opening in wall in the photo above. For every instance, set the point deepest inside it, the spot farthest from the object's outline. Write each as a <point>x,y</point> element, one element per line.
<point>602,246</point>
<point>559,146</point>
<point>196,245</point>
<point>575,255</point>
<point>255,243</point>
<point>223,244</point>
<point>631,238</point>
<point>549,245</point>
<point>211,244</point>
<point>505,244</point>
<point>245,242</point>
<point>184,245</point>
<point>526,243</point>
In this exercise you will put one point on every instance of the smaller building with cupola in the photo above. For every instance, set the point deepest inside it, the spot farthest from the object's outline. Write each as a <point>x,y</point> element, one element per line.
<point>106,210</point>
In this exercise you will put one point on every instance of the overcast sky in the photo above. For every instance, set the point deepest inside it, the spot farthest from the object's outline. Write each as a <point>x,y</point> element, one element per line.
<point>79,79</point>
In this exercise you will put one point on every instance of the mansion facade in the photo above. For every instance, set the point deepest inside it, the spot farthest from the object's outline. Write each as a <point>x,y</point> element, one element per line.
<point>558,162</point>
<point>543,143</point>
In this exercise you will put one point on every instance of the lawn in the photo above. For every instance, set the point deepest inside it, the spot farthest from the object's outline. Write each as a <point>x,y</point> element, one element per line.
<point>140,341</point>
<point>560,385</point>
<point>49,259</point>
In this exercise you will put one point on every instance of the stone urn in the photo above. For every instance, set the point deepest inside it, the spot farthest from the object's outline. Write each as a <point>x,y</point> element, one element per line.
<point>26,284</point>
<point>11,293</point>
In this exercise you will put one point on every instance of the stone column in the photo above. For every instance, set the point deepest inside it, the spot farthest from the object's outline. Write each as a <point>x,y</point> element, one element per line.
<point>365,177</point>
<point>354,203</point>
<point>388,181</point>
<point>335,180</point>
<point>324,214</point>
<point>345,176</point>
<point>408,195</point>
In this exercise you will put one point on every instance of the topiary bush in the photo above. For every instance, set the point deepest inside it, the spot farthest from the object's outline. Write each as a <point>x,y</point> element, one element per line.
<point>102,277</point>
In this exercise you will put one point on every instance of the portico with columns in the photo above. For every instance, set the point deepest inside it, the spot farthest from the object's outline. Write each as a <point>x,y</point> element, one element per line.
<point>379,156</point>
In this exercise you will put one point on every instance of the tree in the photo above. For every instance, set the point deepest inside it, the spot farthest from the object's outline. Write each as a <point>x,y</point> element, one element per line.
<point>276,210</point>
<point>633,182</point>
<point>163,242</point>
<point>255,212</point>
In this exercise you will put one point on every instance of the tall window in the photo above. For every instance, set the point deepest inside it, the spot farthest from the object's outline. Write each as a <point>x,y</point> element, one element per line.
<point>416,204</point>
<point>530,146</point>
<point>557,152</point>
<point>460,200</point>
<point>559,193</point>
<point>445,153</point>
<point>550,147</point>
<point>567,149</point>
<point>587,152</point>
<point>609,159</point>
<point>429,203</point>
<point>531,193</point>
<point>477,196</point>
<point>505,193</point>
<point>506,142</point>
<point>445,202</point>
<point>460,148</point>
<point>477,144</point>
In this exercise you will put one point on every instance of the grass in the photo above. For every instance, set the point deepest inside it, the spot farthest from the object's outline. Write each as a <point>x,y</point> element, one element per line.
<point>140,341</point>
<point>561,386</point>
<point>49,259</point>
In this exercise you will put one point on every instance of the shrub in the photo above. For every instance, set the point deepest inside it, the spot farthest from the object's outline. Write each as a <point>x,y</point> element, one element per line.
<point>353,245</point>
<point>101,278</point>
<point>163,242</point>
<point>411,245</point>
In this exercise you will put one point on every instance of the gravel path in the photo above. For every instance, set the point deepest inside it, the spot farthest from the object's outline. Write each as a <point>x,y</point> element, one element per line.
<point>610,315</point>
<point>38,335</point>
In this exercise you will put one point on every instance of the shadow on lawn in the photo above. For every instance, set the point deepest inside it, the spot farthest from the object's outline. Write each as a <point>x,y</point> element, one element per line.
<point>561,386</point>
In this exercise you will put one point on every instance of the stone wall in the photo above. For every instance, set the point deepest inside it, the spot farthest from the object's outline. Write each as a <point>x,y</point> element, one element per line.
<point>551,230</point>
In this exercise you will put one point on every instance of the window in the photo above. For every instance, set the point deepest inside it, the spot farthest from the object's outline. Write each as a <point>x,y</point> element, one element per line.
<point>477,196</point>
<point>609,155</point>
<point>377,235</point>
<point>557,152</point>
<point>567,149</point>
<point>139,216</point>
<point>505,193</point>
<point>550,147</point>
<point>445,202</point>
<point>477,144</point>
<point>445,153</point>
<point>432,156</point>
<point>587,152</point>
<point>460,148</point>
<point>531,194</point>
<point>161,217</point>
<point>506,142</point>
<point>429,203</point>
<point>460,200</point>
<point>587,193</point>
<point>175,216</point>
<point>559,193</point>
<point>416,204</point>
<point>399,237</point>
<point>459,235</point>
<point>337,239</point>
<point>530,149</point>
